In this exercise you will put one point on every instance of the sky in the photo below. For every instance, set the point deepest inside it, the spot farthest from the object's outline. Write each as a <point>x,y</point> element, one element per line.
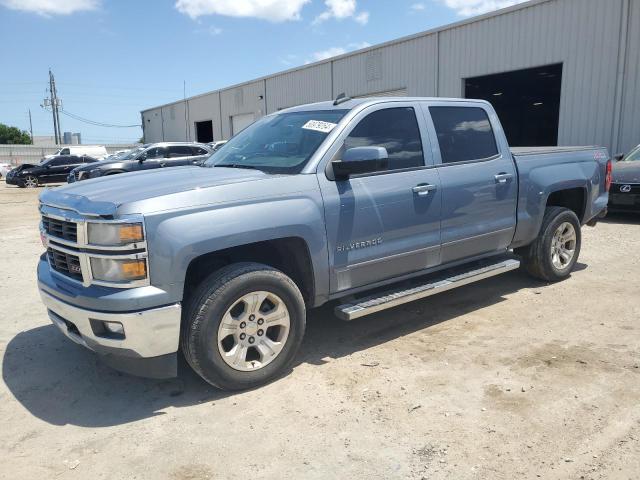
<point>113,58</point>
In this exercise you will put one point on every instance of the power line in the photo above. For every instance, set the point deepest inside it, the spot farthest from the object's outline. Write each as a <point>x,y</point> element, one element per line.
<point>96,123</point>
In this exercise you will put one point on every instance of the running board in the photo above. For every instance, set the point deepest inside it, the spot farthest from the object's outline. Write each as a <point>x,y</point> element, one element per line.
<point>440,283</point>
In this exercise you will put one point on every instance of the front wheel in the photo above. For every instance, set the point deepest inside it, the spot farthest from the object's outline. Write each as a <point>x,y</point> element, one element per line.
<point>30,181</point>
<point>554,253</point>
<point>243,326</point>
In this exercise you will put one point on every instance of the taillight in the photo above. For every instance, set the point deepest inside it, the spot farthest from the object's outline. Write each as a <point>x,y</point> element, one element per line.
<point>609,177</point>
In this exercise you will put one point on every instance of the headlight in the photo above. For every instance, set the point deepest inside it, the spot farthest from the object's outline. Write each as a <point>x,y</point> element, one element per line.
<point>114,234</point>
<point>127,270</point>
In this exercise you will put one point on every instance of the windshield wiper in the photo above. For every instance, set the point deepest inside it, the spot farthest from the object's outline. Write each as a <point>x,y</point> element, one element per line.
<point>238,165</point>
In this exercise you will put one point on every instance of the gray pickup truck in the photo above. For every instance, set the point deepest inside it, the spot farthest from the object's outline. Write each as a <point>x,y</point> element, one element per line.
<point>370,203</point>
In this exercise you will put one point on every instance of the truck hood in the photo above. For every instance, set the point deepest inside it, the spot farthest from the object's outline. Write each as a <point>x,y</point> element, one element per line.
<point>167,189</point>
<point>626,172</point>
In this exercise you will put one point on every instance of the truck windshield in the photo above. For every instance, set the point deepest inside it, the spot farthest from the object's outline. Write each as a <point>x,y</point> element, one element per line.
<point>281,143</point>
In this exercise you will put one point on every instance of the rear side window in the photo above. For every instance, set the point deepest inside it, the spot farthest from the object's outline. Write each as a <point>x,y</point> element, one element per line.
<point>199,151</point>
<point>464,133</point>
<point>397,130</point>
<point>179,151</point>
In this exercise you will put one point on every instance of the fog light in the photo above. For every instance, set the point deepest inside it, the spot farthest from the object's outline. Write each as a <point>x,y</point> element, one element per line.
<point>114,327</point>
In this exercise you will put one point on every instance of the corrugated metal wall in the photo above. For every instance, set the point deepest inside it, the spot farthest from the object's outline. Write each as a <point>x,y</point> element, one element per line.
<point>629,131</point>
<point>409,65</point>
<point>580,34</point>
<point>597,41</point>
<point>205,107</point>
<point>247,98</point>
<point>307,85</point>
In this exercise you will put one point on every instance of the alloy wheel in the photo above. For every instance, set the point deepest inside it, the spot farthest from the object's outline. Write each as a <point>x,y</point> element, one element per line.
<point>563,246</point>
<point>253,331</point>
<point>31,182</point>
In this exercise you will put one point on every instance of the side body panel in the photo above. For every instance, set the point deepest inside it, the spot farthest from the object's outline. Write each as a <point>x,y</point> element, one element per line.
<point>377,227</point>
<point>544,173</point>
<point>176,237</point>
<point>478,197</point>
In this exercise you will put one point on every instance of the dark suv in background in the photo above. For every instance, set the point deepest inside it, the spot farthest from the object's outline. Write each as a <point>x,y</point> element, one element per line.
<point>49,170</point>
<point>146,157</point>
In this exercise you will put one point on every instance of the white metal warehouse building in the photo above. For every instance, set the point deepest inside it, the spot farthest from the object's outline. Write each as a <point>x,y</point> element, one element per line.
<point>563,72</point>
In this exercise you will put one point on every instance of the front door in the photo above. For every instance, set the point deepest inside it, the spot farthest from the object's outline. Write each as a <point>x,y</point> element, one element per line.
<point>385,224</point>
<point>479,181</point>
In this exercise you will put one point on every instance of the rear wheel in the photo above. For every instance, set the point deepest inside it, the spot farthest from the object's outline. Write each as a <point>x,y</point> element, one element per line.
<point>243,326</point>
<point>552,256</point>
<point>30,181</point>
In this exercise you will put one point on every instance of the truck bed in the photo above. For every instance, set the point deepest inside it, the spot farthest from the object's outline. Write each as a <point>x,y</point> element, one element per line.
<point>520,151</point>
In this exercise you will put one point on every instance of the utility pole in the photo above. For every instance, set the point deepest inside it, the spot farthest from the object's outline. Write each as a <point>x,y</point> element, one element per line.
<point>57,104</point>
<point>53,101</point>
<point>30,126</point>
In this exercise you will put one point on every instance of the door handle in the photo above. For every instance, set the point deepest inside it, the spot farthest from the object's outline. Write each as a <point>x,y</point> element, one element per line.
<point>423,190</point>
<point>503,178</point>
<point>162,164</point>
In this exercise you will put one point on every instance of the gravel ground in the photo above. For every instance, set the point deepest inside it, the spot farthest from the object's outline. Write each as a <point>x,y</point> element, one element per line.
<point>508,378</point>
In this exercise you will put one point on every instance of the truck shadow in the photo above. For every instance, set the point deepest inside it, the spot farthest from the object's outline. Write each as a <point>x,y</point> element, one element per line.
<point>623,218</point>
<point>62,383</point>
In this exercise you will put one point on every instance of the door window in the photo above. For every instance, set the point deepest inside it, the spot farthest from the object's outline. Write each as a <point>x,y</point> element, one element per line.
<point>395,129</point>
<point>179,151</point>
<point>156,152</point>
<point>199,151</point>
<point>464,133</point>
<point>64,151</point>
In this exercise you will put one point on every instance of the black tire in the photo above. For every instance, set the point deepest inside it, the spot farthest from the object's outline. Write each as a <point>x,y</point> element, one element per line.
<point>209,303</point>
<point>537,257</point>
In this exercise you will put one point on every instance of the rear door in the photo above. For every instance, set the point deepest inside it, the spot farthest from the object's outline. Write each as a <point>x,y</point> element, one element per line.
<point>479,179</point>
<point>178,155</point>
<point>384,224</point>
<point>57,169</point>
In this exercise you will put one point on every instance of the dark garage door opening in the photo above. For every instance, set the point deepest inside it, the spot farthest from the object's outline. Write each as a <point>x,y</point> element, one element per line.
<point>204,131</point>
<point>527,103</point>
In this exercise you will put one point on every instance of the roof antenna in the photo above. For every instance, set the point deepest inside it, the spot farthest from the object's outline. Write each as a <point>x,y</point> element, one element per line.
<point>341,99</point>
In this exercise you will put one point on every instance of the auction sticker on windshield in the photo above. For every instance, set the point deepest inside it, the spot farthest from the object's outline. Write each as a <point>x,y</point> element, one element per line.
<point>319,126</point>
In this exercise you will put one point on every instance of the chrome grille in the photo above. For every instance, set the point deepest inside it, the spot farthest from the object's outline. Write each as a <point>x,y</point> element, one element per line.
<point>65,263</point>
<point>60,228</point>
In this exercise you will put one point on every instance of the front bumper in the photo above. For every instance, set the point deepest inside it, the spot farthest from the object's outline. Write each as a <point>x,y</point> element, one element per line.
<point>148,347</point>
<point>12,180</point>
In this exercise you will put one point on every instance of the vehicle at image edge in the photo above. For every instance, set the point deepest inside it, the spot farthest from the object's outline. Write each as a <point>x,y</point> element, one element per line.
<point>95,151</point>
<point>373,202</point>
<point>625,190</point>
<point>216,145</point>
<point>49,170</point>
<point>4,169</point>
<point>146,157</point>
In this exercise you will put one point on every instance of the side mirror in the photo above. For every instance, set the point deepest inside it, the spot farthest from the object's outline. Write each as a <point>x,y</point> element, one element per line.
<point>142,157</point>
<point>360,160</point>
<point>619,156</point>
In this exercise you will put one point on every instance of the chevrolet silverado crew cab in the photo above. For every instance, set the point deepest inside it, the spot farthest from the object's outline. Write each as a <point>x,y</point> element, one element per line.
<point>369,203</point>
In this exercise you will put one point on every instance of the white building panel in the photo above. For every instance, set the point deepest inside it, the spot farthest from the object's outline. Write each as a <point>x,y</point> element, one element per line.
<point>205,107</point>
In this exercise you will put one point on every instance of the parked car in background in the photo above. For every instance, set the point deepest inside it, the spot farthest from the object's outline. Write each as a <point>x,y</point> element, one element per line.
<point>216,145</point>
<point>625,190</point>
<point>147,157</point>
<point>49,170</point>
<point>93,151</point>
<point>4,169</point>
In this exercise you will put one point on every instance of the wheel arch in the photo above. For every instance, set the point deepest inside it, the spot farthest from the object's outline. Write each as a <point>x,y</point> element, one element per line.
<point>290,255</point>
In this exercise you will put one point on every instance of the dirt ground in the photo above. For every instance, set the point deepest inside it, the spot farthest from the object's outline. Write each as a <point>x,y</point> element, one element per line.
<point>508,378</point>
